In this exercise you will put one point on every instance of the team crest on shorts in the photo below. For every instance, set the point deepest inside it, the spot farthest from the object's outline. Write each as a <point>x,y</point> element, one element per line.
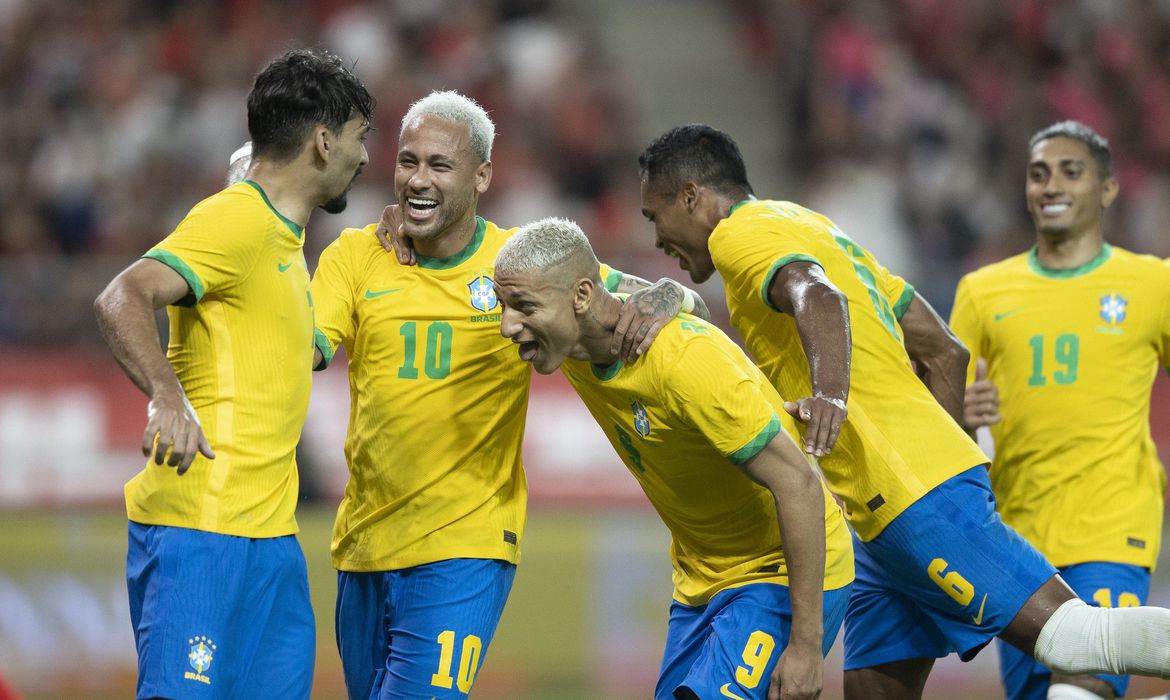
<point>1113,307</point>
<point>641,419</point>
<point>483,294</point>
<point>199,657</point>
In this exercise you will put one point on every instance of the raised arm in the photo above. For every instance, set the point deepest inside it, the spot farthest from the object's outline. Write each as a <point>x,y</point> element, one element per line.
<point>125,314</point>
<point>801,290</point>
<point>940,356</point>
<point>800,507</point>
<point>649,308</point>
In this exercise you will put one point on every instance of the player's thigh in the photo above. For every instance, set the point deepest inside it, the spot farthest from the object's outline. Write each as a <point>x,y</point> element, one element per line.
<point>442,618</point>
<point>361,625</point>
<point>882,624</point>
<point>953,555</point>
<point>281,627</point>
<point>187,588</point>
<point>740,636</point>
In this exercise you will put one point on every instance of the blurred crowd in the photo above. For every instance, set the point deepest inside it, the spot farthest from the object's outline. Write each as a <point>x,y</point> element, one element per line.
<point>910,115</point>
<point>924,108</point>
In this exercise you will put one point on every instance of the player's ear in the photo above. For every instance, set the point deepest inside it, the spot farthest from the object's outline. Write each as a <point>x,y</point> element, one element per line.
<point>690,196</point>
<point>1109,190</point>
<point>322,142</point>
<point>483,176</point>
<point>583,295</point>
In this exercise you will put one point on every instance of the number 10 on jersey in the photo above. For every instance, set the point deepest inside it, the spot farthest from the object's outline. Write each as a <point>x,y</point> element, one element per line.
<point>437,362</point>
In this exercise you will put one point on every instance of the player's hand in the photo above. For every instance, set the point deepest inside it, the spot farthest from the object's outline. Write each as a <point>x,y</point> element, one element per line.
<point>171,419</point>
<point>981,400</point>
<point>643,315</point>
<point>392,237</point>
<point>823,417</point>
<point>799,674</point>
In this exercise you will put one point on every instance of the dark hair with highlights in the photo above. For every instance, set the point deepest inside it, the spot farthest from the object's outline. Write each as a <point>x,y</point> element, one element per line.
<point>1098,146</point>
<point>695,153</point>
<point>298,91</point>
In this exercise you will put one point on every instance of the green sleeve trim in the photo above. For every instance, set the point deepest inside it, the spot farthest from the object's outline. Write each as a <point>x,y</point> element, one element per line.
<point>757,444</point>
<point>613,280</point>
<point>903,302</point>
<point>175,263</point>
<point>322,343</point>
<point>795,257</point>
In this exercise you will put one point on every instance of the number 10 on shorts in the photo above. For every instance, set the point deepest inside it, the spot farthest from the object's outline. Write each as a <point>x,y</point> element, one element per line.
<point>468,661</point>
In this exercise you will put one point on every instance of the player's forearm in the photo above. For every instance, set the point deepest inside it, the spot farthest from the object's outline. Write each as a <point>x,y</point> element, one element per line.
<point>801,510</point>
<point>675,295</point>
<point>125,316</point>
<point>822,319</point>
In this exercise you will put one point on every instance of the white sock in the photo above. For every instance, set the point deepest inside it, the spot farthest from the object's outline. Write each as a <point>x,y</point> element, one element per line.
<point>1064,691</point>
<point>1079,640</point>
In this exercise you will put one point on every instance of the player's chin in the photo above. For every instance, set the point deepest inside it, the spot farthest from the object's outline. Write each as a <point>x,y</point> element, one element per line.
<point>700,275</point>
<point>337,204</point>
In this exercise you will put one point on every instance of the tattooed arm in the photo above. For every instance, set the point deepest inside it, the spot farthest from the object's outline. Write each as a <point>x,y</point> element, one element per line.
<point>648,309</point>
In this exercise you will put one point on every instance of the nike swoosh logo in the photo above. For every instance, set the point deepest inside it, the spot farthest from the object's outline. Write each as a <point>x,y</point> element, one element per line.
<point>979,618</point>
<point>725,691</point>
<point>1005,314</point>
<point>283,266</point>
<point>374,295</point>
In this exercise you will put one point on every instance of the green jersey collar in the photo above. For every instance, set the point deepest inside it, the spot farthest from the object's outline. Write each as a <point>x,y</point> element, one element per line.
<point>292,225</point>
<point>461,256</point>
<point>1034,263</point>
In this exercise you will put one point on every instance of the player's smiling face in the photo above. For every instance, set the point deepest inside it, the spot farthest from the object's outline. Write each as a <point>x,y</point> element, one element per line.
<point>1065,191</point>
<point>438,177</point>
<point>349,156</point>
<point>678,229</point>
<point>539,316</point>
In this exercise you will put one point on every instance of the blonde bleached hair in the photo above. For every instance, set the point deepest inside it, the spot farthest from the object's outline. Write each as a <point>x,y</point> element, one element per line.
<point>459,108</point>
<point>549,244</point>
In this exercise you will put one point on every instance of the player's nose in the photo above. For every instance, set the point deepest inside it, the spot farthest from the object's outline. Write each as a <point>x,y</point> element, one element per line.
<point>509,327</point>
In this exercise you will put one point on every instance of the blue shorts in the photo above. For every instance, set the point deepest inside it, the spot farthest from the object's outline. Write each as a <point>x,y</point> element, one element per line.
<point>731,644</point>
<point>421,632</point>
<point>219,616</point>
<point>1097,583</point>
<point>946,575</point>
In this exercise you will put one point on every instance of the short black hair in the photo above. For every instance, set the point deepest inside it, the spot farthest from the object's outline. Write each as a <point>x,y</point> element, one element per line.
<point>696,153</point>
<point>298,91</point>
<point>1098,145</point>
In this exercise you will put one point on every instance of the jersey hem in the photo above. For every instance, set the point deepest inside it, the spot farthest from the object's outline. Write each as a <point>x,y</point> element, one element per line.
<point>259,534</point>
<point>396,563</point>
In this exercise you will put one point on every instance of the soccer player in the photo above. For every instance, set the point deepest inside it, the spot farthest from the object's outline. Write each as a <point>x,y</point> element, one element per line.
<point>219,595</point>
<point>761,575</point>
<point>429,530</point>
<point>937,569</point>
<point>1072,334</point>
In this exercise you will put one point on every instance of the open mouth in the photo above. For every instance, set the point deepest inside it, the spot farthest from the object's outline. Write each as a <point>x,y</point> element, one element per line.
<point>420,207</point>
<point>1054,209</point>
<point>529,350</point>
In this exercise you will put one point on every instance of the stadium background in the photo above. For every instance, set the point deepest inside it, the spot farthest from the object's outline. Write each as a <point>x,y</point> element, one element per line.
<point>905,121</point>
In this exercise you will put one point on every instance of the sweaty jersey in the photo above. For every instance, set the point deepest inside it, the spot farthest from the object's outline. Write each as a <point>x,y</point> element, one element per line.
<point>241,345</point>
<point>437,404</point>
<point>897,442</point>
<point>1074,354</point>
<point>681,418</point>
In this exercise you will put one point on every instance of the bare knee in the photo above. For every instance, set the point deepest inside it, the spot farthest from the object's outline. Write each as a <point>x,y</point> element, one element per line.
<point>897,680</point>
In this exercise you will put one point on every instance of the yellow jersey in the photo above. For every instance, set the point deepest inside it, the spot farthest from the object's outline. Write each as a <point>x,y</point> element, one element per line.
<point>241,345</point>
<point>681,418</point>
<point>897,442</point>
<point>1074,354</point>
<point>437,403</point>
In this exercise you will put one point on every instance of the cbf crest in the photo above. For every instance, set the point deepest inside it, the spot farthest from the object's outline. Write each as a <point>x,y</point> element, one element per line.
<point>1113,308</point>
<point>482,293</point>
<point>641,419</point>
<point>199,657</point>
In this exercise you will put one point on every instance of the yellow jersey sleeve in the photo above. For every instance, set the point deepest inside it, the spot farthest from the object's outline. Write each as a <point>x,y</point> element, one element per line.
<point>967,325</point>
<point>720,399</point>
<point>334,288</point>
<point>215,245</point>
